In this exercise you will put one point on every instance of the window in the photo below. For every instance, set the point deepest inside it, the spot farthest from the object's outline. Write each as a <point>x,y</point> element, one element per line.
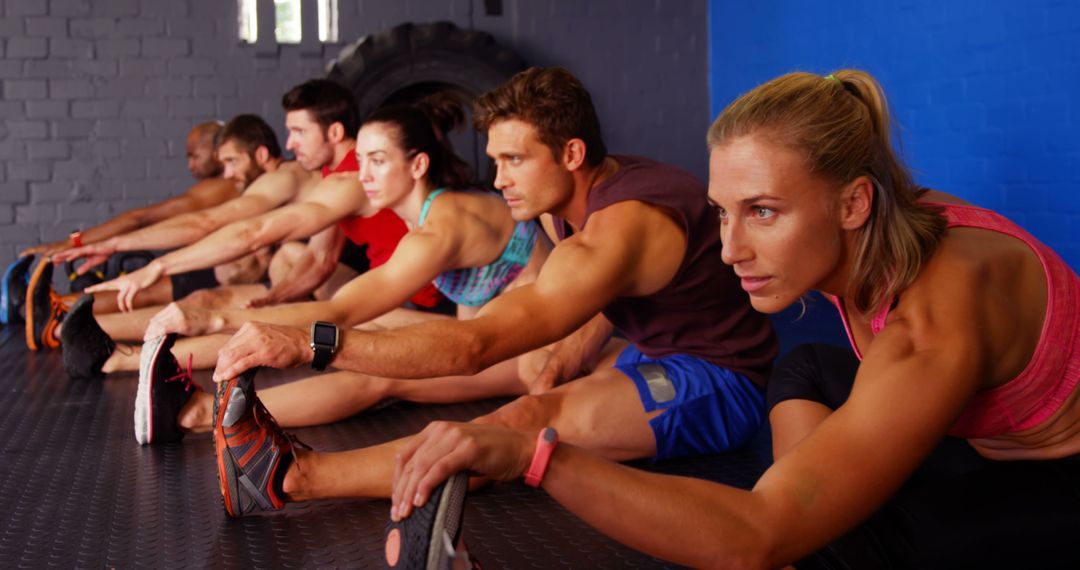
<point>287,21</point>
<point>288,18</point>
<point>249,22</point>
<point>328,21</point>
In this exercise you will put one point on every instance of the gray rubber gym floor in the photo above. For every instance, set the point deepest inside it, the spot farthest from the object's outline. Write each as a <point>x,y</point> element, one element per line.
<point>76,491</point>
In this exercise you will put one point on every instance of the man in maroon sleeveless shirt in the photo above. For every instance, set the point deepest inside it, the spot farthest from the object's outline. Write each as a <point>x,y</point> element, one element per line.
<point>637,250</point>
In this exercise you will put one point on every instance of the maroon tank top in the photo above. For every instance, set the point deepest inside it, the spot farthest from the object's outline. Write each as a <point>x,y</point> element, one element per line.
<point>703,311</point>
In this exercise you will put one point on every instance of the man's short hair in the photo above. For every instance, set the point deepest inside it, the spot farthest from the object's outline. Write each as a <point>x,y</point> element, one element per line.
<point>249,132</point>
<point>553,101</point>
<point>328,102</point>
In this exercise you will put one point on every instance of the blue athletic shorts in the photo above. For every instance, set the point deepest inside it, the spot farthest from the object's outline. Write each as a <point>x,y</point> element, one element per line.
<point>707,408</point>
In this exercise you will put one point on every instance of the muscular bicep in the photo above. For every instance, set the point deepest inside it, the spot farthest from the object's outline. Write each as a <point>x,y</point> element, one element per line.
<point>576,282</point>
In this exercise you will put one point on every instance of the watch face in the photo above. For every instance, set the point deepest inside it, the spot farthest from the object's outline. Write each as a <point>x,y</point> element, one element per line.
<point>325,335</point>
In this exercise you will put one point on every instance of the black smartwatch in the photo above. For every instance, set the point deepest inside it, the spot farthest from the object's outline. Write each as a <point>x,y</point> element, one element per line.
<point>324,341</point>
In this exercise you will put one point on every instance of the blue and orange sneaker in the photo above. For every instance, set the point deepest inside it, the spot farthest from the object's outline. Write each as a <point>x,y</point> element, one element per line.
<point>427,539</point>
<point>164,388</point>
<point>13,291</point>
<point>45,309</point>
<point>253,453</point>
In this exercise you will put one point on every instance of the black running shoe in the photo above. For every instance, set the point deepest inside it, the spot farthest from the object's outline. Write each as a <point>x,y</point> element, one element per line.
<point>86,346</point>
<point>164,388</point>
<point>253,453</point>
<point>427,539</point>
<point>13,291</point>
<point>45,310</point>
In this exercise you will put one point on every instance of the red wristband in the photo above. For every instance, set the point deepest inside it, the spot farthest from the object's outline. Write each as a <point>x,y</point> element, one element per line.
<point>545,446</point>
<point>76,238</point>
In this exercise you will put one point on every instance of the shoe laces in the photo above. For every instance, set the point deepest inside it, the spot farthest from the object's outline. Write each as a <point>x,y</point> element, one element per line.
<point>261,414</point>
<point>185,375</point>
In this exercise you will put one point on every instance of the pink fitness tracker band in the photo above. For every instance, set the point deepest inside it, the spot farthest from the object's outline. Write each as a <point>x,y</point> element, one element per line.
<point>76,238</point>
<point>545,446</point>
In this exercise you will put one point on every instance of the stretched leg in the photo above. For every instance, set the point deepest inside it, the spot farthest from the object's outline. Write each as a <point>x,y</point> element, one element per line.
<point>160,293</point>
<point>128,326</point>
<point>601,412</point>
<point>224,297</point>
<point>335,396</point>
<point>203,348</point>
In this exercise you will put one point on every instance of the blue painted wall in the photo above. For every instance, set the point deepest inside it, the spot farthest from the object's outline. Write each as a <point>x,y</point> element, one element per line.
<point>987,93</point>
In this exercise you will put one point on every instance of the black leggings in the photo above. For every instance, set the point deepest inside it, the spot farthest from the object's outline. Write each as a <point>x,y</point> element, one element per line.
<point>959,509</point>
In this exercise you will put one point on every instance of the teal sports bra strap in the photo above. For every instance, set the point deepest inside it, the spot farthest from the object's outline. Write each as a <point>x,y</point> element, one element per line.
<point>427,204</point>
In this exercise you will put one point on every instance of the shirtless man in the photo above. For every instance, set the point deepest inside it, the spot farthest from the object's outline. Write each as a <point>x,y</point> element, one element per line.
<point>208,191</point>
<point>250,149</point>
<point>322,121</point>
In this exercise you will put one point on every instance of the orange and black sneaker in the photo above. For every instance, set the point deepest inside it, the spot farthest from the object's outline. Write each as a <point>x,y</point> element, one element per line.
<point>45,309</point>
<point>253,453</point>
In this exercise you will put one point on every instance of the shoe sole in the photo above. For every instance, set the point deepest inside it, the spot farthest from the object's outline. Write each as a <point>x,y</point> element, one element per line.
<point>35,277</point>
<point>448,519</point>
<point>449,507</point>
<point>144,410</point>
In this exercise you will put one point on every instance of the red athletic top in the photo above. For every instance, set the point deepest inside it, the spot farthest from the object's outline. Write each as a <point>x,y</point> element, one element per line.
<point>1052,374</point>
<point>381,232</point>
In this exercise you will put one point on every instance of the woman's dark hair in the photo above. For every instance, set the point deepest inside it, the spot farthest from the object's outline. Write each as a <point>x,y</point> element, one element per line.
<point>422,127</point>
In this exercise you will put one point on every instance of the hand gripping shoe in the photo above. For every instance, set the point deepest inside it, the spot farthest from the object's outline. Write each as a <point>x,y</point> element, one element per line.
<point>426,540</point>
<point>253,453</point>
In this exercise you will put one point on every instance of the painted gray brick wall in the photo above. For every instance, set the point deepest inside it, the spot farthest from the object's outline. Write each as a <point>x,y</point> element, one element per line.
<point>97,96</point>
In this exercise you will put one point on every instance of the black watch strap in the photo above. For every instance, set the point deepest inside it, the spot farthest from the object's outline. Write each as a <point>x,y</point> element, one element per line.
<point>322,358</point>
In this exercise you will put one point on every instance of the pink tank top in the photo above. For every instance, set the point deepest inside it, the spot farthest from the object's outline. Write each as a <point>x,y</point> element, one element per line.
<point>1054,369</point>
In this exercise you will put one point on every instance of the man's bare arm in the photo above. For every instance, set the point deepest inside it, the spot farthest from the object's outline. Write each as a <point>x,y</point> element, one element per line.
<point>331,201</point>
<point>611,258</point>
<point>204,194</point>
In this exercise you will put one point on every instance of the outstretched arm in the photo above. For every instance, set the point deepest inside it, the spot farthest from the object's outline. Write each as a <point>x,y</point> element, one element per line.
<point>324,250</point>
<point>907,394</point>
<point>582,275</point>
<point>573,356</point>
<point>418,259</point>
<point>332,200</point>
<point>205,194</point>
<point>267,192</point>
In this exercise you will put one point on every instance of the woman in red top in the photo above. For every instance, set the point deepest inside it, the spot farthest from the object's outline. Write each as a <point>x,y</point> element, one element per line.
<point>964,324</point>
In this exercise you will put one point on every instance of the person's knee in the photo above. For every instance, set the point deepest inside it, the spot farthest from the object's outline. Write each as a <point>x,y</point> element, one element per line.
<point>816,372</point>
<point>527,413</point>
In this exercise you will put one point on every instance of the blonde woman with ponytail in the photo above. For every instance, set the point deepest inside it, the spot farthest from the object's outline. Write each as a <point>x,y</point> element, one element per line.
<point>948,437</point>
